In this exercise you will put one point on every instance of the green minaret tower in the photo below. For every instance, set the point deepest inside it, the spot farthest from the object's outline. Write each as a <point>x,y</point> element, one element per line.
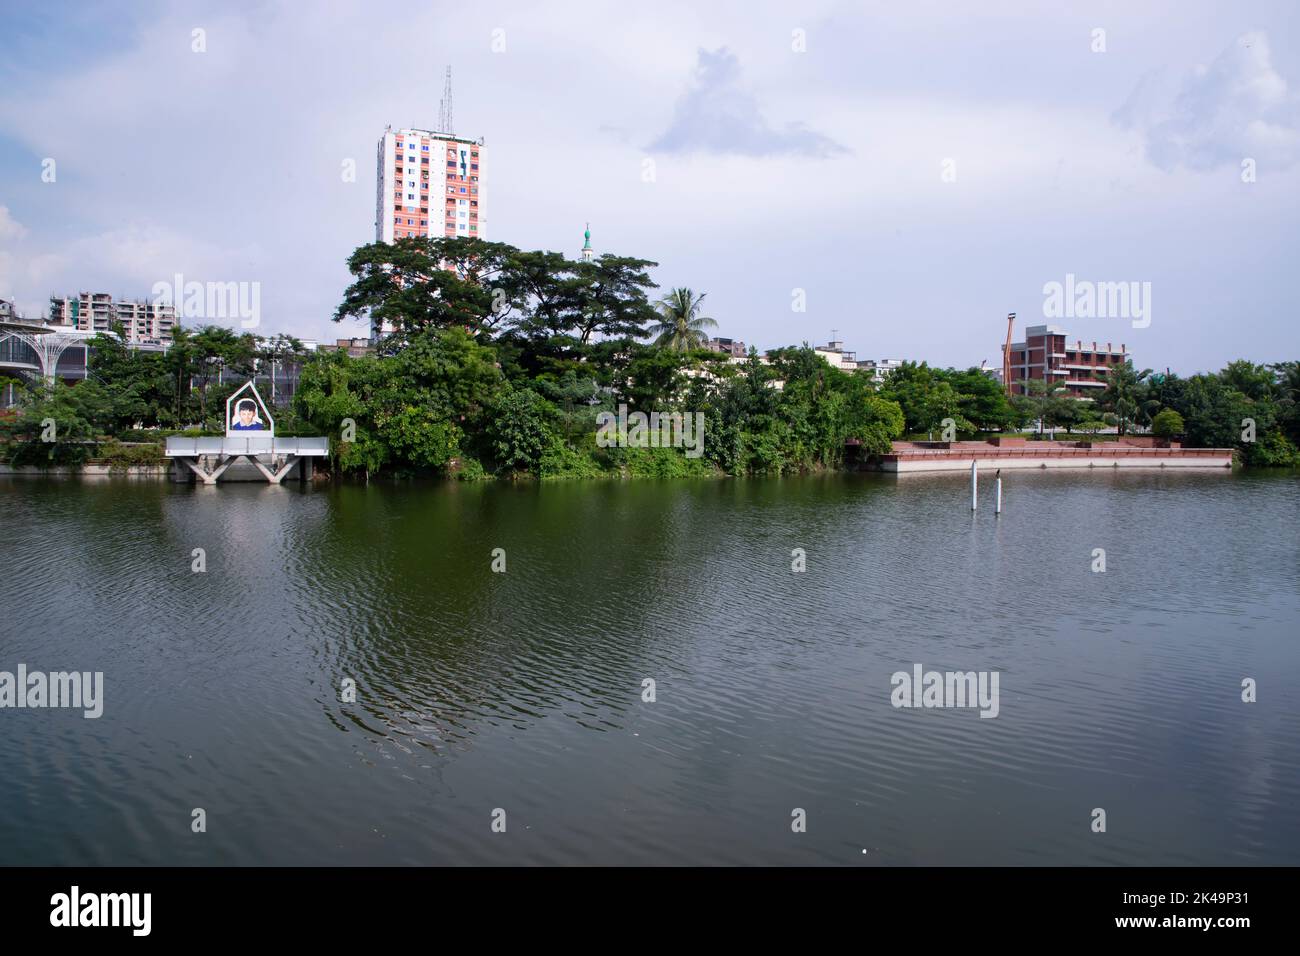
<point>586,245</point>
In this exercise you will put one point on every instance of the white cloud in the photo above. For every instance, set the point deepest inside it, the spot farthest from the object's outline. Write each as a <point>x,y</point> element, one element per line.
<point>10,228</point>
<point>1236,107</point>
<point>717,114</point>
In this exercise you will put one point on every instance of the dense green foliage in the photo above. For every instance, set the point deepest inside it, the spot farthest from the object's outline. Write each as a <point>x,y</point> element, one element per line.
<point>503,362</point>
<point>506,422</point>
<point>974,401</point>
<point>1250,407</point>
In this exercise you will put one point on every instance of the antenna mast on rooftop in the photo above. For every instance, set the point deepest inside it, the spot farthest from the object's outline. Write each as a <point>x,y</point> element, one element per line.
<point>445,123</point>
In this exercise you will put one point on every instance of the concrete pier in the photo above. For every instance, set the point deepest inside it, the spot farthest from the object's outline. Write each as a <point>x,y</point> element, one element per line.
<point>210,459</point>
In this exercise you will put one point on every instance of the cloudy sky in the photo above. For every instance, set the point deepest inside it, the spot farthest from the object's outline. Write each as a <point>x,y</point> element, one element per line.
<point>917,169</point>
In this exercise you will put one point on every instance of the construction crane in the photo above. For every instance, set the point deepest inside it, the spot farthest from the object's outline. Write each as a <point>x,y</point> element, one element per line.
<point>1006,354</point>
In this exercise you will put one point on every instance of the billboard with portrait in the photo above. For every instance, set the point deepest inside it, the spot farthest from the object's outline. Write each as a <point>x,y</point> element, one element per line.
<point>247,415</point>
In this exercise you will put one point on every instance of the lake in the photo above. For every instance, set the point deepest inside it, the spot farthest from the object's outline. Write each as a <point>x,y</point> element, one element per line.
<point>478,691</point>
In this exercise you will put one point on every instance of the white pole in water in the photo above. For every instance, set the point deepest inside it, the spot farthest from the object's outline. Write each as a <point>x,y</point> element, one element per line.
<point>974,476</point>
<point>998,508</point>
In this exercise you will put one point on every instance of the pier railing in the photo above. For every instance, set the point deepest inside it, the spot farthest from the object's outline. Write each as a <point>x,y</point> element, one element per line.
<point>180,447</point>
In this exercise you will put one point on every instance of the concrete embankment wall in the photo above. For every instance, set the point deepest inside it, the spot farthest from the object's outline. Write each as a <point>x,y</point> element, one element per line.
<point>92,469</point>
<point>904,464</point>
<point>1018,454</point>
<point>174,471</point>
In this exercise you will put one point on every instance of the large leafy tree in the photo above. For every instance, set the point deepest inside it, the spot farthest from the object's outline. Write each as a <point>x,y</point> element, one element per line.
<point>652,379</point>
<point>217,352</point>
<point>1257,382</point>
<point>137,388</point>
<point>1049,403</point>
<point>570,308</point>
<point>1288,398</point>
<point>982,401</point>
<point>609,298</point>
<point>549,309</point>
<point>419,284</point>
<point>926,398</point>
<point>417,409</point>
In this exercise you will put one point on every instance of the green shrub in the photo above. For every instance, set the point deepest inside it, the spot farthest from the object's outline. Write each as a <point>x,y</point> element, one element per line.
<point>40,454</point>
<point>560,461</point>
<point>665,463</point>
<point>1168,424</point>
<point>120,457</point>
<point>471,469</point>
<point>1273,450</point>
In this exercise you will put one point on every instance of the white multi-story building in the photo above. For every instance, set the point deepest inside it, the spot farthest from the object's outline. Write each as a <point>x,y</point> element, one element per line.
<point>429,184</point>
<point>879,369</point>
<point>833,352</point>
<point>144,321</point>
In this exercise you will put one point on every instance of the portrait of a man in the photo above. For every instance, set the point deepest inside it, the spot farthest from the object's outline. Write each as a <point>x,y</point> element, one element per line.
<point>246,418</point>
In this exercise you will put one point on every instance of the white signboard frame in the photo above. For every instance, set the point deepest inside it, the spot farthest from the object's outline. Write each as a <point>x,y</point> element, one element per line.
<point>261,414</point>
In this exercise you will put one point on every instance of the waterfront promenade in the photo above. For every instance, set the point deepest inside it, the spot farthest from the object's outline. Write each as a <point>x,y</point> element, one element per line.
<point>1018,453</point>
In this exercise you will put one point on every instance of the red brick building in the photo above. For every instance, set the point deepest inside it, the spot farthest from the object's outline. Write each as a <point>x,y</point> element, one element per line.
<point>1045,354</point>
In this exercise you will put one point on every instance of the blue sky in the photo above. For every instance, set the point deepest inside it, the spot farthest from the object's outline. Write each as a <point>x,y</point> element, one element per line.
<point>779,163</point>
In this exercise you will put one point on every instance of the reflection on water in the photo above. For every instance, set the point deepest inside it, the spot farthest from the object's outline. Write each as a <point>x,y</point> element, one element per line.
<point>523,690</point>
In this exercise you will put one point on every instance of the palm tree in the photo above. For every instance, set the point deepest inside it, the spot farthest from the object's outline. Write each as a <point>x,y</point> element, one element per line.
<point>682,327</point>
<point>1126,390</point>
